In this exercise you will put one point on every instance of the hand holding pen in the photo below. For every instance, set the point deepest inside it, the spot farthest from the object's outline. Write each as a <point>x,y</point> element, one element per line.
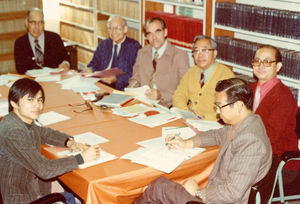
<point>174,141</point>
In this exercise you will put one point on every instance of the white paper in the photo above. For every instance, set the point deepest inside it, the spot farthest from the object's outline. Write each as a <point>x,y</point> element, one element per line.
<point>90,138</point>
<point>185,114</point>
<point>155,120</point>
<point>131,110</point>
<point>42,72</point>
<point>3,107</point>
<point>51,117</point>
<point>4,79</point>
<point>139,92</point>
<point>204,125</point>
<point>183,132</point>
<point>48,78</point>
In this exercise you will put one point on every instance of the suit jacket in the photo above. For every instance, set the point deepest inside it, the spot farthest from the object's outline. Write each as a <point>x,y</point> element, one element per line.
<point>54,52</point>
<point>126,59</point>
<point>200,99</point>
<point>242,161</point>
<point>23,170</point>
<point>278,110</point>
<point>170,68</point>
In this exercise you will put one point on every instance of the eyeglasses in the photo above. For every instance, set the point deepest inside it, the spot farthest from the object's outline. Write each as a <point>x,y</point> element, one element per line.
<point>116,28</point>
<point>203,51</point>
<point>88,105</point>
<point>220,107</point>
<point>266,62</point>
<point>39,23</point>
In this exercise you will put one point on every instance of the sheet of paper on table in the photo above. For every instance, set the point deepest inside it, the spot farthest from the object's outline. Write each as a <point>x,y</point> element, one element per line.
<point>90,138</point>
<point>204,125</point>
<point>50,118</point>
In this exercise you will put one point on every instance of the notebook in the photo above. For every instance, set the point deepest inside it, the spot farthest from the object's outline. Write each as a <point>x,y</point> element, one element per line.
<point>115,100</point>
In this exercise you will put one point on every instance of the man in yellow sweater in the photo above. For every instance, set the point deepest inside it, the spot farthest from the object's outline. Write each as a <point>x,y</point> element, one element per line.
<point>196,90</point>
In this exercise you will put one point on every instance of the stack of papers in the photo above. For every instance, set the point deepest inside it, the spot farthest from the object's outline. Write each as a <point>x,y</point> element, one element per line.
<point>91,139</point>
<point>4,79</point>
<point>154,120</point>
<point>133,110</point>
<point>80,84</point>
<point>156,154</point>
<point>50,118</point>
<point>204,125</point>
<point>45,71</point>
<point>139,92</point>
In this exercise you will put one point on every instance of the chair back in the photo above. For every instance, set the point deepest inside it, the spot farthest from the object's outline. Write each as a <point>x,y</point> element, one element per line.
<point>265,186</point>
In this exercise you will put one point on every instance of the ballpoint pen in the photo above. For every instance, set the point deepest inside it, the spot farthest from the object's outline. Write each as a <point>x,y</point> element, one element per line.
<point>177,134</point>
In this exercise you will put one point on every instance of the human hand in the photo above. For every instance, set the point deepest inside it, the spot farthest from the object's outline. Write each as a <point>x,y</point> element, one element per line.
<point>87,70</point>
<point>91,153</point>
<point>190,186</point>
<point>74,147</point>
<point>65,66</point>
<point>109,80</point>
<point>176,142</point>
<point>153,94</point>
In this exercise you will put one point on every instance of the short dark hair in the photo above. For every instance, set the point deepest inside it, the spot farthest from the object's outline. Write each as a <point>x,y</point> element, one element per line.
<point>278,56</point>
<point>20,88</point>
<point>34,9</point>
<point>236,89</point>
<point>151,20</point>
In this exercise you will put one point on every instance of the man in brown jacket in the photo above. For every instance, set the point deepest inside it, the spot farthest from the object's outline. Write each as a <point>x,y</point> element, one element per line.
<point>159,64</point>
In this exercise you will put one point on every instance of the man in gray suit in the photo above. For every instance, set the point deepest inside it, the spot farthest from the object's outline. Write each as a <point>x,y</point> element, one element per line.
<point>244,158</point>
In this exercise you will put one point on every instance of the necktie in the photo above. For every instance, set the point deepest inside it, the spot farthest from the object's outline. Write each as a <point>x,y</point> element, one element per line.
<point>256,98</point>
<point>115,57</point>
<point>155,60</point>
<point>152,83</point>
<point>202,80</point>
<point>39,53</point>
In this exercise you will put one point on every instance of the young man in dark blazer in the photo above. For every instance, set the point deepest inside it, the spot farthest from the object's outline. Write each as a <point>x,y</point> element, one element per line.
<point>39,48</point>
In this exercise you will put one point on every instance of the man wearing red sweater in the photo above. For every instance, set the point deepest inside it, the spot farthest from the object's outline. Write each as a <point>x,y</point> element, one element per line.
<point>275,104</point>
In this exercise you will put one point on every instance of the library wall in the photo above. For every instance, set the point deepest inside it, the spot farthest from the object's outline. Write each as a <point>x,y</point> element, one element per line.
<point>12,16</point>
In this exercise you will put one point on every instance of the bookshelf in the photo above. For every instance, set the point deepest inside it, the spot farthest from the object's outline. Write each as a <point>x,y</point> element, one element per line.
<point>287,41</point>
<point>84,23</point>
<point>12,16</point>
<point>194,12</point>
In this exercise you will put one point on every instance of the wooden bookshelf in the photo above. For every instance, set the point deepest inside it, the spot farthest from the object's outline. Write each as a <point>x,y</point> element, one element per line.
<point>12,17</point>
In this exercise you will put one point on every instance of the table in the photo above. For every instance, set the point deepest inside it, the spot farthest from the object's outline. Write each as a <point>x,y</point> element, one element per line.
<point>116,181</point>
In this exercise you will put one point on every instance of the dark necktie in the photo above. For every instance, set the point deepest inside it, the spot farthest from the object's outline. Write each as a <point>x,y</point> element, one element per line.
<point>202,80</point>
<point>155,60</point>
<point>115,57</point>
<point>39,53</point>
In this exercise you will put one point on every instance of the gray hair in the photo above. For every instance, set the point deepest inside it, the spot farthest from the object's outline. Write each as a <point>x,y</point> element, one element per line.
<point>113,17</point>
<point>151,20</point>
<point>199,37</point>
<point>34,9</point>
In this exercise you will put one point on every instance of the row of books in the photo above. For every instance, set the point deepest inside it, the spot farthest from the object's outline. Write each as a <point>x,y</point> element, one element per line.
<point>20,5</point>
<point>77,35</point>
<point>176,24</point>
<point>7,66</point>
<point>87,3</point>
<point>7,46</point>
<point>127,8</point>
<point>84,56</point>
<point>276,22</point>
<point>9,26</point>
<point>77,15</point>
<point>241,52</point>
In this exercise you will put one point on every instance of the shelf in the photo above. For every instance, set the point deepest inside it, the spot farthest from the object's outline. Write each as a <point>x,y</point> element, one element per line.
<point>290,5</point>
<point>186,5</point>
<point>126,18</point>
<point>80,45</point>
<point>78,25</point>
<point>260,35</point>
<point>76,6</point>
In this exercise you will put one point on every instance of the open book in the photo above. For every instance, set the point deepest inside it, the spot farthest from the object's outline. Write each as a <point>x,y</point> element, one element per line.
<point>115,100</point>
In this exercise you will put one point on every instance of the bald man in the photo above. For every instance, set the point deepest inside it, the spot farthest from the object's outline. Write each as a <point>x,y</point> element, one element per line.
<point>39,48</point>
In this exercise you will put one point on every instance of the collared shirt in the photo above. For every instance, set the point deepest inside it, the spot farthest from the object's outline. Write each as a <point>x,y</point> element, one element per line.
<point>207,72</point>
<point>41,40</point>
<point>267,86</point>
<point>160,51</point>
<point>113,51</point>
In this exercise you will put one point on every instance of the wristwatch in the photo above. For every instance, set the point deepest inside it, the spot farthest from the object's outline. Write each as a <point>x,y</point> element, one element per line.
<point>198,193</point>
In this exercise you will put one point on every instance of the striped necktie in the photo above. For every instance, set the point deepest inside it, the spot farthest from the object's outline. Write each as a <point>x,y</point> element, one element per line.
<point>39,53</point>
<point>202,80</point>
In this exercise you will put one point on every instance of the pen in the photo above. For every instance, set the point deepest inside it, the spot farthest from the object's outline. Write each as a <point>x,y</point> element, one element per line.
<point>199,117</point>
<point>177,134</point>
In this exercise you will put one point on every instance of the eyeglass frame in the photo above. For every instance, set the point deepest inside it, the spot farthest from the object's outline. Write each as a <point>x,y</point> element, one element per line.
<point>259,61</point>
<point>204,51</point>
<point>39,23</point>
<point>116,28</point>
<point>223,106</point>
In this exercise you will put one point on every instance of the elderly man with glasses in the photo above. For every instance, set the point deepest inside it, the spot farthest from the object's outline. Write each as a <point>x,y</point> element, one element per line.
<point>277,107</point>
<point>39,48</point>
<point>196,91</point>
<point>118,51</point>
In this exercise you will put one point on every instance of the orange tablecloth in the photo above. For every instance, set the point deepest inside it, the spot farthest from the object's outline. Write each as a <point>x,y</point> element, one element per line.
<point>117,181</point>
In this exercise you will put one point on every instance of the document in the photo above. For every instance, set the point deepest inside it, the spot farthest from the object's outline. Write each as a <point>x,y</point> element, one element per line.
<point>3,107</point>
<point>139,92</point>
<point>183,132</point>
<point>5,78</point>
<point>204,125</point>
<point>48,78</point>
<point>89,138</point>
<point>106,73</point>
<point>42,72</point>
<point>185,114</point>
<point>115,100</point>
<point>79,84</point>
<point>50,118</point>
<point>133,110</point>
<point>154,120</point>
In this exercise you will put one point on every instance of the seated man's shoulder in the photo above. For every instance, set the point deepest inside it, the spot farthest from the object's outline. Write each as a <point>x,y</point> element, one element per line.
<point>52,34</point>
